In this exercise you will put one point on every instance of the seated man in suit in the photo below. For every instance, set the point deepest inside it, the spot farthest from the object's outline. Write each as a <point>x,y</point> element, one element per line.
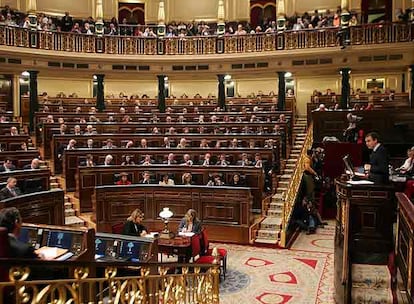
<point>147,161</point>
<point>7,166</point>
<point>378,171</point>
<point>222,161</point>
<point>10,219</point>
<point>244,161</point>
<point>10,190</point>
<point>35,164</point>
<point>207,160</point>
<point>170,160</point>
<point>14,131</point>
<point>146,178</point>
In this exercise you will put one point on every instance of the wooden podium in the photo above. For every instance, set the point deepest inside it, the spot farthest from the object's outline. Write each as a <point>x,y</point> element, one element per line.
<point>364,230</point>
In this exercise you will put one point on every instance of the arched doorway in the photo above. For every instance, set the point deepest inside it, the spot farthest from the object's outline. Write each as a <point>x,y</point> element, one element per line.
<point>262,11</point>
<point>133,12</point>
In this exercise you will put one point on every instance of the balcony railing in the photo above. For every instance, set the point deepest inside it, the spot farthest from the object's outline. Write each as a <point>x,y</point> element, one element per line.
<point>104,282</point>
<point>205,45</point>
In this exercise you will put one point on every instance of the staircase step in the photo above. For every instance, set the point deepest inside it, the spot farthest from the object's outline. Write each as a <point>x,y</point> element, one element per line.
<point>371,276</point>
<point>277,196</point>
<point>286,176</point>
<point>67,199</point>
<point>281,190</point>
<point>271,221</point>
<point>68,205</point>
<point>70,212</point>
<point>291,165</point>
<point>267,234</point>
<point>266,241</point>
<point>292,160</point>
<point>288,171</point>
<point>74,221</point>
<point>372,295</point>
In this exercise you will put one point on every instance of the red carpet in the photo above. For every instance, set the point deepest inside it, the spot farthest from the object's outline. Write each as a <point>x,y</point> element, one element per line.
<point>301,275</point>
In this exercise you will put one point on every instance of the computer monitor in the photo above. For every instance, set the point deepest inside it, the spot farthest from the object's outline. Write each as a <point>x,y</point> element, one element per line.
<point>100,247</point>
<point>60,239</point>
<point>30,236</point>
<point>129,249</point>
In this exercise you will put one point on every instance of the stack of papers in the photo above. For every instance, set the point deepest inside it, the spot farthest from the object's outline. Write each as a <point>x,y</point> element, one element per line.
<point>50,253</point>
<point>188,234</point>
<point>360,182</point>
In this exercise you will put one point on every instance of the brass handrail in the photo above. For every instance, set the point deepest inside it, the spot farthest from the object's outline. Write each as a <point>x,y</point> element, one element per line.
<point>193,284</point>
<point>290,196</point>
<point>205,45</point>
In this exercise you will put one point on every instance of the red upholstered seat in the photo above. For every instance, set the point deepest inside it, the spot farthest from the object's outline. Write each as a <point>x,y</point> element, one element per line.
<point>222,252</point>
<point>205,259</point>
<point>117,228</point>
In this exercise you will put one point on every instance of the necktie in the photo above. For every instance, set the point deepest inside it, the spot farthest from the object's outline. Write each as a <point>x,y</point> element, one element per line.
<point>13,192</point>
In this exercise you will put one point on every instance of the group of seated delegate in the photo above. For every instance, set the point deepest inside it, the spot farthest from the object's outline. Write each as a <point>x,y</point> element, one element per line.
<point>215,180</point>
<point>8,165</point>
<point>207,160</point>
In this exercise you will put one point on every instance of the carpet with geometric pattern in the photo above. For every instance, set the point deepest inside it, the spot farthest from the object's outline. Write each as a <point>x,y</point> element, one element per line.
<point>300,275</point>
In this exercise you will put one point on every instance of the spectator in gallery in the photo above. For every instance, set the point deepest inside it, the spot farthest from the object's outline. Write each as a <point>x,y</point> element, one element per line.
<point>89,130</point>
<point>77,130</point>
<point>258,162</point>
<point>204,144</point>
<point>182,144</point>
<point>143,144</point>
<point>167,143</point>
<point>123,179</point>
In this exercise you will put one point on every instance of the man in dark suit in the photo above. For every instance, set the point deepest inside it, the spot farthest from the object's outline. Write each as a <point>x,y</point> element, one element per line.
<point>10,190</point>
<point>35,164</point>
<point>7,166</point>
<point>10,219</point>
<point>378,160</point>
<point>146,178</point>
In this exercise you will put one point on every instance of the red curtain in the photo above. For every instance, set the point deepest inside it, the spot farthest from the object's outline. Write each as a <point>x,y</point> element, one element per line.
<point>261,11</point>
<point>133,12</point>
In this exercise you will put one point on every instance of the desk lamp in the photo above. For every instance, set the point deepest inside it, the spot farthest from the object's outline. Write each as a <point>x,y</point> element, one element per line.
<point>166,214</point>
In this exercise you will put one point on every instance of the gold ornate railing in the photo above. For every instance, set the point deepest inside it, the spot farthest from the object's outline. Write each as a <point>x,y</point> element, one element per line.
<point>195,284</point>
<point>294,186</point>
<point>205,45</point>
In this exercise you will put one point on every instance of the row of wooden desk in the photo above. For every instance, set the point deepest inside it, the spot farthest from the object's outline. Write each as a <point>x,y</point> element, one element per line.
<point>87,178</point>
<point>134,130</point>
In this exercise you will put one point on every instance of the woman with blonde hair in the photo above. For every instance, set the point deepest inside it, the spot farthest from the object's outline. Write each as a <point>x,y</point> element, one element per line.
<point>190,222</point>
<point>187,179</point>
<point>134,226</point>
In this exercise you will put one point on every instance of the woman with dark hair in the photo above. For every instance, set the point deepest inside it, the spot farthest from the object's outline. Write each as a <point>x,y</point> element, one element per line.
<point>190,222</point>
<point>133,225</point>
<point>236,181</point>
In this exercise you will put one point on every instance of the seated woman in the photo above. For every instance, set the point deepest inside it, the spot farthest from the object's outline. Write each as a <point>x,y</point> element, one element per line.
<point>190,222</point>
<point>187,179</point>
<point>124,179</point>
<point>166,181</point>
<point>133,224</point>
<point>408,165</point>
<point>236,181</point>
